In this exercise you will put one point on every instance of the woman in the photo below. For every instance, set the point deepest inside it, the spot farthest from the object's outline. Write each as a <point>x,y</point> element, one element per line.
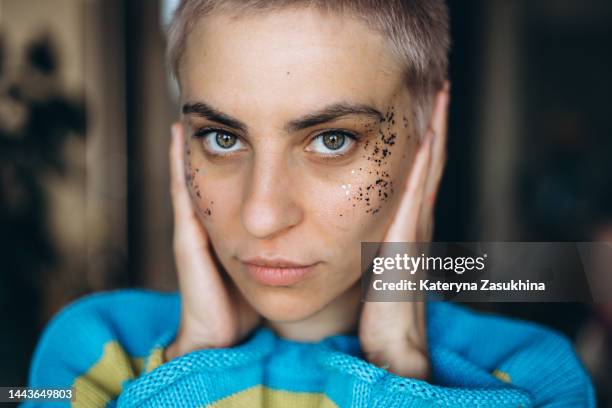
<point>307,128</point>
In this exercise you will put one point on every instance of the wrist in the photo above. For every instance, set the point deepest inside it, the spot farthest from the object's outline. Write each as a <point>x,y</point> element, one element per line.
<point>409,364</point>
<point>186,342</point>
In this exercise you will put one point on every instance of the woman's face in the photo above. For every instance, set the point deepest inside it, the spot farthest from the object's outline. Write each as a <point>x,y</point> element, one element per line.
<point>298,144</point>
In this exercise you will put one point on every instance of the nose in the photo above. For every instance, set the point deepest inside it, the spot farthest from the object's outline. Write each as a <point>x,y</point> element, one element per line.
<point>269,208</point>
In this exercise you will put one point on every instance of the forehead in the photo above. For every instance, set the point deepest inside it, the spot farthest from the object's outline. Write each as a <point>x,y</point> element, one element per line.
<point>290,60</point>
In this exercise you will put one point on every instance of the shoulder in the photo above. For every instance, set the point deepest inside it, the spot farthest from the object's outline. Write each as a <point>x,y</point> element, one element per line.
<point>521,353</point>
<point>128,322</point>
<point>487,335</point>
<point>460,325</point>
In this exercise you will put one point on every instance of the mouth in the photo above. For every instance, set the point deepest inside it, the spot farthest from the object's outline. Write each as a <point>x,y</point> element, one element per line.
<point>277,271</point>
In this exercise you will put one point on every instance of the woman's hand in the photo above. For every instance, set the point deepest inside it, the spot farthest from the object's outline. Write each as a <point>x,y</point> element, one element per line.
<point>394,334</point>
<point>213,312</point>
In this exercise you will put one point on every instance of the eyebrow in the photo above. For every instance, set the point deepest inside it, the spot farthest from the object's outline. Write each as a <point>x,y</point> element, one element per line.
<point>330,113</point>
<point>206,111</point>
<point>327,114</point>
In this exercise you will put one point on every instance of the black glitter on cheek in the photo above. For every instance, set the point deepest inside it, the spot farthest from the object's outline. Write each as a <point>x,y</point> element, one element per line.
<point>380,189</point>
<point>192,186</point>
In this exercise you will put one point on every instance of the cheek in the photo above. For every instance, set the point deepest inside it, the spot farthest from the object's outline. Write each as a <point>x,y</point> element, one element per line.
<point>196,185</point>
<point>202,198</point>
<point>211,199</point>
<point>363,201</point>
<point>359,206</point>
<point>373,187</point>
<point>216,207</point>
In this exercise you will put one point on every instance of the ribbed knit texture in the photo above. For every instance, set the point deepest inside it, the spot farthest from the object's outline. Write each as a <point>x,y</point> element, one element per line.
<point>109,347</point>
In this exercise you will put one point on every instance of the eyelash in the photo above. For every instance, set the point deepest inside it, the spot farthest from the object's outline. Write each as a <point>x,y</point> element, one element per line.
<point>330,156</point>
<point>204,132</point>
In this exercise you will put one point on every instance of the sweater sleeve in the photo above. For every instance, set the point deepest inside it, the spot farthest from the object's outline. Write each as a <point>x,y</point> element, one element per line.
<point>477,360</point>
<point>99,343</point>
<point>525,355</point>
<point>202,378</point>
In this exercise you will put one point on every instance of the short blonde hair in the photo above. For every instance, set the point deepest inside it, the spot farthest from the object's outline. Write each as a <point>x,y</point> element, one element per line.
<point>416,30</point>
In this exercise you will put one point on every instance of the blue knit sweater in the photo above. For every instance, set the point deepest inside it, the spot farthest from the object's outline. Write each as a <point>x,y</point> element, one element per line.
<point>109,347</point>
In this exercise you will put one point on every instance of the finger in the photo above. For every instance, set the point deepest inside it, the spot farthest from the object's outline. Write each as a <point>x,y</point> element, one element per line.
<point>439,127</point>
<point>178,185</point>
<point>393,333</point>
<point>187,229</point>
<point>208,312</point>
<point>437,163</point>
<point>197,272</point>
<point>190,240</point>
<point>405,223</point>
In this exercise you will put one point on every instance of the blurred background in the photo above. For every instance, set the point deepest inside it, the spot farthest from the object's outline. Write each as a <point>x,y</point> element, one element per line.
<point>85,110</point>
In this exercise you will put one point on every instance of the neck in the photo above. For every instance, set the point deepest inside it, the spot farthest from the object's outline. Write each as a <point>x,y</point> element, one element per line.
<point>338,317</point>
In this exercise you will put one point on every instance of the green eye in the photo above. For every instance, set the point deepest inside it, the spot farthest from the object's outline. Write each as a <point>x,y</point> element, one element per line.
<point>225,140</point>
<point>219,142</point>
<point>334,141</point>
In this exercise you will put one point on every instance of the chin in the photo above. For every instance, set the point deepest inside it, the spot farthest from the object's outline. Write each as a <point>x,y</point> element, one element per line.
<point>285,304</point>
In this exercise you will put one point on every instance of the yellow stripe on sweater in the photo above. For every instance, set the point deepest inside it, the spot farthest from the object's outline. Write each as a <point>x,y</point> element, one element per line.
<point>155,360</point>
<point>502,375</point>
<point>102,382</point>
<point>260,397</point>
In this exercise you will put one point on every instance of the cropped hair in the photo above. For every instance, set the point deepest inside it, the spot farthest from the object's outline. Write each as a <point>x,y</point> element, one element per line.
<point>417,32</point>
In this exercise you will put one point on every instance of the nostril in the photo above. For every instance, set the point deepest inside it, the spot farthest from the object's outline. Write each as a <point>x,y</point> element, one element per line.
<point>265,215</point>
<point>269,205</point>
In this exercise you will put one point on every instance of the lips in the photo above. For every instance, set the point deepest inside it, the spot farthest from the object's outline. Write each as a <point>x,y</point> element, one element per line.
<point>277,272</point>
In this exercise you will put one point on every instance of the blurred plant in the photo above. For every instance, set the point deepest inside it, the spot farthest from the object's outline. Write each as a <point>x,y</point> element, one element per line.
<point>36,119</point>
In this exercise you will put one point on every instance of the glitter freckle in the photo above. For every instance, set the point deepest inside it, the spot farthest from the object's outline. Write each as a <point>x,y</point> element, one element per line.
<point>375,194</point>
